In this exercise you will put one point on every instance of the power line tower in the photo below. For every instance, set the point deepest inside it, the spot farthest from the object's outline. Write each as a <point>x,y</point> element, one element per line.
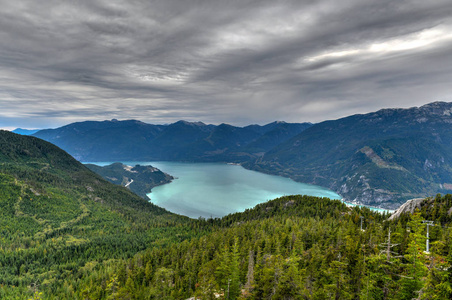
<point>387,266</point>
<point>427,245</point>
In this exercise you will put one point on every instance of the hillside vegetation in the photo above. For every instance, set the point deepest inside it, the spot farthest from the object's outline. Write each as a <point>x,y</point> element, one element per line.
<point>295,247</point>
<point>57,217</point>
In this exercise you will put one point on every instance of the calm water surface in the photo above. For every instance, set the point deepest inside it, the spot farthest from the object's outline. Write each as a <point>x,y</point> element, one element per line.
<point>216,189</point>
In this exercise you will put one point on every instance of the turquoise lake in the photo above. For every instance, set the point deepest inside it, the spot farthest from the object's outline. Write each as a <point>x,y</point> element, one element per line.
<point>216,189</point>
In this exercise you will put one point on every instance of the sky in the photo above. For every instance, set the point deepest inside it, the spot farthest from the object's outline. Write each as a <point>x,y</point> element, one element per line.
<point>237,62</point>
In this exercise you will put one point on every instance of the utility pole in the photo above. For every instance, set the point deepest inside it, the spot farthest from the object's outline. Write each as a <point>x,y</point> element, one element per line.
<point>388,250</point>
<point>427,246</point>
<point>388,247</point>
<point>361,217</point>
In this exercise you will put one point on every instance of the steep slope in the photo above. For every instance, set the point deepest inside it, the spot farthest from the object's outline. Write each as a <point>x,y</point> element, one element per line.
<point>224,143</point>
<point>104,141</point>
<point>56,216</point>
<point>176,140</point>
<point>437,209</point>
<point>381,158</point>
<point>181,141</point>
<point>38,163</point>
<point>278,134</point>
<point>139,179</point>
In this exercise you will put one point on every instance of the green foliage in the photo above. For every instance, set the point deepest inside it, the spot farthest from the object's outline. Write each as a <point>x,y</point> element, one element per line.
<point>415,263</point>
<point>297,253</point>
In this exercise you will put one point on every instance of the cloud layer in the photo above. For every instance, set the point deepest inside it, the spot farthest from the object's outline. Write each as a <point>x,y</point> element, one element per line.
<point>239,62</point>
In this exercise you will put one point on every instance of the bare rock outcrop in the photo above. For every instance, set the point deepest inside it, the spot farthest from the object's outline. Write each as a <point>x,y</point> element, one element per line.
<point>408,207</point>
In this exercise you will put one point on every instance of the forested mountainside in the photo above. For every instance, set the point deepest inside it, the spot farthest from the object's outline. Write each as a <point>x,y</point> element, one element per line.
<point>381,158</point>
<point>295,247</point>
<point>139,179</point>
<point>299,247</point>
<point>137,141</point>
<point>57,217</point>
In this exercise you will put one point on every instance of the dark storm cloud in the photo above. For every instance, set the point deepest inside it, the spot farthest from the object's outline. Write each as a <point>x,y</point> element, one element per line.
<point>219,61</point>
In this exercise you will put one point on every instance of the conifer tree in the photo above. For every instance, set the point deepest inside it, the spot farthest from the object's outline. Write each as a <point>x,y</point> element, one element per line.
<point>415,269</point>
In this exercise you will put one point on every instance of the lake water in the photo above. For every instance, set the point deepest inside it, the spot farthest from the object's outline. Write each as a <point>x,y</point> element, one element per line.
<point>216,189</point>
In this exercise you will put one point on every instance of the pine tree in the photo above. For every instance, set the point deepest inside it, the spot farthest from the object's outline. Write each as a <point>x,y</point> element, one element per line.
<point>234,271</point>
<point>228,271</point>
<point>289,285</point>
<point>415,269</point>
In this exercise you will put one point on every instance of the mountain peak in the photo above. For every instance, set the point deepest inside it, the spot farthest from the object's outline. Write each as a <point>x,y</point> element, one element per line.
<point>23,131</point>
<point>183,122</point>
<point>438,108</point>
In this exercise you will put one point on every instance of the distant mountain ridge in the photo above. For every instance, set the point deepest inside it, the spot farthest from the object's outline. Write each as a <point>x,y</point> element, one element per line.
<point>22,131</point>
<point>381,158</point>
<point>190,141</point>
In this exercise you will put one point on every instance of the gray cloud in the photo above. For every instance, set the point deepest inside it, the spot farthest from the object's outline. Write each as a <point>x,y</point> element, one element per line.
<point>239,62</point>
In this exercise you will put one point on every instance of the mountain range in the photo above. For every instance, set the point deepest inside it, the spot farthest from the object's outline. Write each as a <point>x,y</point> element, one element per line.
<point>381,158</point>
<point>184,141</point>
